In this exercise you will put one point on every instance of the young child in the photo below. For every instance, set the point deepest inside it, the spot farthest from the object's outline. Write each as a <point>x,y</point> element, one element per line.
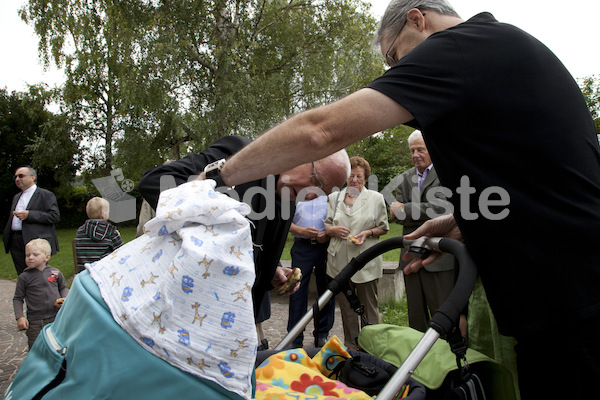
<point>96,237</point>
<point>43,288</point>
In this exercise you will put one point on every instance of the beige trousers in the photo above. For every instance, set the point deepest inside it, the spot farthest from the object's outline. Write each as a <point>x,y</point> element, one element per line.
<point>367,294</point>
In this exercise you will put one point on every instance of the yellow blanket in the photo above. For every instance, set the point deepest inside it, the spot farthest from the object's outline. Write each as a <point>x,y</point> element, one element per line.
<point>292,374</point>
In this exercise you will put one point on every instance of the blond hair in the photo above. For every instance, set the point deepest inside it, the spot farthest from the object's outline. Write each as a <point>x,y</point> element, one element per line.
<point>40,244</point>
<point>97,208</point>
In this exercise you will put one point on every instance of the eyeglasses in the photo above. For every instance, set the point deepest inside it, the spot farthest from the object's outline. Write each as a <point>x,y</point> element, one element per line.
<point>314,179</point>
<point>389,59</point>
<point>20,176</point>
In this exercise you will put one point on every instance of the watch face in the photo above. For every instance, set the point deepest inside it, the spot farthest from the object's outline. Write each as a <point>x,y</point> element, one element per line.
<point>213,169</point>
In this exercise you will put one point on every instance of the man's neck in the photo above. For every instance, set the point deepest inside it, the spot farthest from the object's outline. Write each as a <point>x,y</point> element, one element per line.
<point>424,169</point>
<point>442,22</point>
<point>29,188</point>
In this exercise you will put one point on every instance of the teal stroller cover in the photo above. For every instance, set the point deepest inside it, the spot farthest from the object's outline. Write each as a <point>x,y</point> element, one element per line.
<point>168,314</point>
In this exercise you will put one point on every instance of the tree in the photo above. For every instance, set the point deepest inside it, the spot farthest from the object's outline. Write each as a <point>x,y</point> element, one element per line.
<point>96,43</point>
<point>590,88</point>
<point>387,153</point>
<point>160,78</point>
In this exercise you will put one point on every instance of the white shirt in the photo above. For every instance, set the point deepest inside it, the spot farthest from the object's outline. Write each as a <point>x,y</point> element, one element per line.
<point>423,175</point>
<point>311,214</point>
<point>22,204</point>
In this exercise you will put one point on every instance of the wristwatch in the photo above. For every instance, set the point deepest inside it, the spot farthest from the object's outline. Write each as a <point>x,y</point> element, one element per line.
<point>213,171</point>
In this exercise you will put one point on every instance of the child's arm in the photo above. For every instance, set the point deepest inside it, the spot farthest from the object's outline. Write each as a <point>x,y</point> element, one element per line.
<point>19,299</point>
<point>117,240</point>
<point>63,289</point>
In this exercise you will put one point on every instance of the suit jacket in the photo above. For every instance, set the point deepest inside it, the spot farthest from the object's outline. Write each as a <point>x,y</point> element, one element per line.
<point>43,214</point>
<point>368,211</point>
<point>416,204</point>
<point>269,234</point>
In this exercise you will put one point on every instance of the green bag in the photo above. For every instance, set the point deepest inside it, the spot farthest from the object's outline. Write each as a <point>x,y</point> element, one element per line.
<point>394,343</point>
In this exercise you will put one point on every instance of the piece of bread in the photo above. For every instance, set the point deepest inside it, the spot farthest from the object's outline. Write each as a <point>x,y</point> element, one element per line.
<point>353,239</point>
<point>294,278</point>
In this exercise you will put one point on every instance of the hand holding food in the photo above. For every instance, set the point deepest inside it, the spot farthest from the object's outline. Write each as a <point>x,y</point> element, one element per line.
<point>21,214</point>
<point>353,239</point>
<point>294,278</point>
<point>59,302</point>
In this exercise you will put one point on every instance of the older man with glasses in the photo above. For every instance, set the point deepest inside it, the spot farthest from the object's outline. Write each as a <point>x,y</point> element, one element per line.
<point>486,96</point>
<point>272,199</point>
<point>34,212</point>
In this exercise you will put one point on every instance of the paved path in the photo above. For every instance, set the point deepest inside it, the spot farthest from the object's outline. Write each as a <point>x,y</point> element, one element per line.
<point>13,344</point>
<point>276,327</point>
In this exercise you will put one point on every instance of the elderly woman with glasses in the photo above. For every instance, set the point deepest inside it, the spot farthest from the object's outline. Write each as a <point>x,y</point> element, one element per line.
<point>356,218</point>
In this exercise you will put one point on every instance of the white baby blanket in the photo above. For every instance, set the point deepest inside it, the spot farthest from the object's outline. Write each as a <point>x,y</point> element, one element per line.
<point>182,290</point>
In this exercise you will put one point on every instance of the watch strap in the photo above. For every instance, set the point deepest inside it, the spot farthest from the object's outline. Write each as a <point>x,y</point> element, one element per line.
<point>213,171</point>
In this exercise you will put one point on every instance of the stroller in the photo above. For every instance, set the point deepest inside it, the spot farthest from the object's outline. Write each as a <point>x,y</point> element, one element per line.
<point>443,324</point>
<point>86,354</point>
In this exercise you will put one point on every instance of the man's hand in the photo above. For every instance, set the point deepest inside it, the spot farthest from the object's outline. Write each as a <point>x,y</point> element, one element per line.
<point>309,232</point>
<point>22,323</point>
<point>322,237</point>
<point>281,276</point>
<point>444,226</point>
<point>22,215</point>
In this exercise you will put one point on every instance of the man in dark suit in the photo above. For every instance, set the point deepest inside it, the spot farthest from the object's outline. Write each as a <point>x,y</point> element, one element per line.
<point>426,289</point>
<point>34,213</point>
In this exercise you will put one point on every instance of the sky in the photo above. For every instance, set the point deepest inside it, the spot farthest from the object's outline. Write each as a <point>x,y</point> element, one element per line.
<point>569,31</point>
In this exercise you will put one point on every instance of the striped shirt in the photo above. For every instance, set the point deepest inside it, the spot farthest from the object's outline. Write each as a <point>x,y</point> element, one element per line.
<point>95,239</point>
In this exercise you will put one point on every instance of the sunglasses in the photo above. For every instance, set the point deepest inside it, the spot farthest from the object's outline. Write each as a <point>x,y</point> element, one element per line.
<point>20,176</point>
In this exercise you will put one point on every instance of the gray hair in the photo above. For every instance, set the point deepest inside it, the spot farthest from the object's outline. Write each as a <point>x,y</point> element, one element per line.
<point>340,160</point>
<point>416,135</point>
<point>337,168</point>
<point>395,15</point>
<point>30,171</point>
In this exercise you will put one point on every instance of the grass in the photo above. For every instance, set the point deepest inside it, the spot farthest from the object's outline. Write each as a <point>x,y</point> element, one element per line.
<point>394,312</point>
<point>63,260</point>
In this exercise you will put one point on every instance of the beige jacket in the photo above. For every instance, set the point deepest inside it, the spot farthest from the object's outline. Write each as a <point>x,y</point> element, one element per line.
<point>369,211</point>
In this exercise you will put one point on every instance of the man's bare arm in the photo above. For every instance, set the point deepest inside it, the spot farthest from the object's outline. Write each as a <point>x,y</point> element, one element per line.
<point>315,134</point>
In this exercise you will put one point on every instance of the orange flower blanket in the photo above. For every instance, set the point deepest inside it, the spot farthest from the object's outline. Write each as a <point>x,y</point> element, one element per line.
<point>292,374</point>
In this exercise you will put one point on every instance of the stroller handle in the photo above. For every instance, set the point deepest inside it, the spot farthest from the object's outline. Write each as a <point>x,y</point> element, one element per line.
<point>448,314</point>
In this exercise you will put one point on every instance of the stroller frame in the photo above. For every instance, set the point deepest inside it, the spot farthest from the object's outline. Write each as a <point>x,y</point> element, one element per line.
<point>442,322</point>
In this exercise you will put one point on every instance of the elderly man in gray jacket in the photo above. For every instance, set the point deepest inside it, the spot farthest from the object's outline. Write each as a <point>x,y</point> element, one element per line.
<point>419,199</point>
